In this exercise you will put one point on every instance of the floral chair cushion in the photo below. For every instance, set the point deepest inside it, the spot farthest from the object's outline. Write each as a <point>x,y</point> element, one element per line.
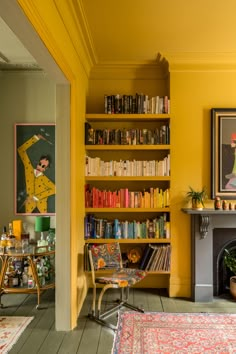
<point>108,256</point>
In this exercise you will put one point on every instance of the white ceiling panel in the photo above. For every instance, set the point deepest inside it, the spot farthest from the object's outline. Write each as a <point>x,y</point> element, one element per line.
<point>13,55</point>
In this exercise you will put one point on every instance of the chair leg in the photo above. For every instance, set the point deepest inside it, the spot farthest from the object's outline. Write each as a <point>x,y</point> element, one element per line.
<point>99,316</point>
<point>96,315</point>
<point>102,322</point>
<point>132,307</point>
<point>127,304</point>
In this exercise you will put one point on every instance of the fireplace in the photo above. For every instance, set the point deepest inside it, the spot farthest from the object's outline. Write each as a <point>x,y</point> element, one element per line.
<point>222,238</point>
<point>211,232</point>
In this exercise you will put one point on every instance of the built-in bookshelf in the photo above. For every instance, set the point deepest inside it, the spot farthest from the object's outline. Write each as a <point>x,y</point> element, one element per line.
<point>127,186</point>
<point>137,104</point>
<point>153,257</point>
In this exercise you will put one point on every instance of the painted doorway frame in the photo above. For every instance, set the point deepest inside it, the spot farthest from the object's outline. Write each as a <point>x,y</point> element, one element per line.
<point>15,19</point>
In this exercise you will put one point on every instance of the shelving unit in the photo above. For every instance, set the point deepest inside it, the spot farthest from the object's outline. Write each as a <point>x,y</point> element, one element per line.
<point>155,279</point>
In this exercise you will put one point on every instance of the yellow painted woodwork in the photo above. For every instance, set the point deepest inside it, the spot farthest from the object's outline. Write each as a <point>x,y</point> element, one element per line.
<point>58,29</point>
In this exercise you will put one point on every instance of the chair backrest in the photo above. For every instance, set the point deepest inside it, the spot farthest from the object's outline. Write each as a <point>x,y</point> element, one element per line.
<point>105,256</point>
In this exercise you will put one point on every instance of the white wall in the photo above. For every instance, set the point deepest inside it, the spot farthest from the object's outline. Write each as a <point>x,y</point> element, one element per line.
<point>25,97</point>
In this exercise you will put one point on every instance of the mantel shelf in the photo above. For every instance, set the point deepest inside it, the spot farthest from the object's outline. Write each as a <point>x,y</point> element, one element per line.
<point>209,211</point>
<point>204,216</point>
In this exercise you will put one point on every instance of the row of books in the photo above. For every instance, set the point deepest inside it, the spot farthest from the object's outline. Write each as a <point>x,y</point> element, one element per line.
<point>95,166</point>
<point>123,198</point>
<point>139,103</point>
<point>97,228</point>
<point>156,258</point>
<point>144,136</point>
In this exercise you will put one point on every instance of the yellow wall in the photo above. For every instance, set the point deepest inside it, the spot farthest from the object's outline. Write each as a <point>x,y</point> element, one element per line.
<point>193,94</point>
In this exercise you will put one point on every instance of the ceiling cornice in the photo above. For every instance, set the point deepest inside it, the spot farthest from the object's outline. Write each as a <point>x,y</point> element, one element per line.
<point>68,31</point>
<point>73,17</point>
<point>201,61</point>
<point>151,70</point>
<point>81,23</point>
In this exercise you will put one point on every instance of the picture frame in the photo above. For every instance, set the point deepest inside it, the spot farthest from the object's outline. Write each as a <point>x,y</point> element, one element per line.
<point>223,153</point>
<point>35,187</point>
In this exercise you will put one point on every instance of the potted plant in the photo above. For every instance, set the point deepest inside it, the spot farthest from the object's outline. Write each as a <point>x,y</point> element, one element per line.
<point>230,263</point>
<point>197,198</point>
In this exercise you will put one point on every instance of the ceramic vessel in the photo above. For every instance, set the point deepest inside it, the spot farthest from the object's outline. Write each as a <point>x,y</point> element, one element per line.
<point>233,286</point>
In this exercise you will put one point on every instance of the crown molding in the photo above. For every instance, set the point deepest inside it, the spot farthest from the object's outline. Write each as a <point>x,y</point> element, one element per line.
<point>146,70</point>
<point>67,31</point>
<point>78,30</point>
<point>201,61</point>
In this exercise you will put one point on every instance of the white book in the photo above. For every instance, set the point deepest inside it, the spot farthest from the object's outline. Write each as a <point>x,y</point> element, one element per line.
<point>157,105</point>
<point>97,166</point>
<point>153,105</point>
<point>161,105</point>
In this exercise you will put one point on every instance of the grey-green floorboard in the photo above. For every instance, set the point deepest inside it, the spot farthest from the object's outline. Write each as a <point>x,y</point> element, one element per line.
<point>89,337</point>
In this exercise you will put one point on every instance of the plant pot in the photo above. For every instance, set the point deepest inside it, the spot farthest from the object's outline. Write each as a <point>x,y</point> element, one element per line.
<point>233,286</point>
<point>196,205</point>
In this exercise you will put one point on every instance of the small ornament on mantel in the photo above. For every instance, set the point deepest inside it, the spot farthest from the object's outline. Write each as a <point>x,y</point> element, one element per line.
<point>217,203</point>
<point>225,205</point>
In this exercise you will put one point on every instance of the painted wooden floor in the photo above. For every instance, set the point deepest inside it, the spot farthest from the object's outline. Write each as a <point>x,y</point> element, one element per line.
<point>89,337</point>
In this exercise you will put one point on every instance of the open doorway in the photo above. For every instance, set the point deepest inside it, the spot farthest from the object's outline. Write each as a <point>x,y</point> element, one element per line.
<point>18,23</point>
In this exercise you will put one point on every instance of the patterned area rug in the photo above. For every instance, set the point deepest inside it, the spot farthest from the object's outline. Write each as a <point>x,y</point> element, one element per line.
<point>160,332</point>
<point>10,330</point>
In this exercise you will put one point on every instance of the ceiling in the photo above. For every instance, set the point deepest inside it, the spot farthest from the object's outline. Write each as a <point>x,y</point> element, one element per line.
<point>13,55</point>
<point>137,30</point>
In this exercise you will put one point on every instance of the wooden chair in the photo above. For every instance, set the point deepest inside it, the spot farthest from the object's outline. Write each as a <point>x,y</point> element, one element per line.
<point>107,256</point>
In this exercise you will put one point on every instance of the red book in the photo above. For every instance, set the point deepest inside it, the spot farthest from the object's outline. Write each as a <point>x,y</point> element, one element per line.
<point>126,199</point>
<point>114,199</point>
<point>122,197</point>
<point>100,200</point>
<point>118,205</point>
<point>109,199</point>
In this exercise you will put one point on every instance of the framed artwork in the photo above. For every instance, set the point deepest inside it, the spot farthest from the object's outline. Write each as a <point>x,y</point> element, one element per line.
<point>223,154</point>
<point>35,187</point>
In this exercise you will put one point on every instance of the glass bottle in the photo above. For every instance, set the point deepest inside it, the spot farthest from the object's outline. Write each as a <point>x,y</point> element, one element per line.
<point>25,276</point>
<point>25,233</point>
<point>30,282</point>
<point>51,238</point>
<point>4,237</point>
<point>10,238</point>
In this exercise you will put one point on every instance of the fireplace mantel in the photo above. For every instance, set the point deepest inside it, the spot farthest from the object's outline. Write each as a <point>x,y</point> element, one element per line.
<point>203,223</point>
<point>204,216</point>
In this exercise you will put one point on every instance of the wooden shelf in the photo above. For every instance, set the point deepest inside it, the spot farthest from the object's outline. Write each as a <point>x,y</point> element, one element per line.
<point>127,210</point>
<point>103,272</point>
<point>92,117</point>
<point>127,178</point>
<point>135,241</point>
<point>128,147</point>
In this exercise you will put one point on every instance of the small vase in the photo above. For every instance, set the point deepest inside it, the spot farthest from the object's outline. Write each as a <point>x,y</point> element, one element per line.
<point>196,205</point>
<point>233,286</point>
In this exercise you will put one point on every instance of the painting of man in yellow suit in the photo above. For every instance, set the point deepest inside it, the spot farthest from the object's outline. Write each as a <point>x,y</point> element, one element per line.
<point>36,188</point>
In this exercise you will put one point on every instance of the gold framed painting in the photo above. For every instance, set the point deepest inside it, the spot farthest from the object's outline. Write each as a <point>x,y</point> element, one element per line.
<point>223,153</point>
